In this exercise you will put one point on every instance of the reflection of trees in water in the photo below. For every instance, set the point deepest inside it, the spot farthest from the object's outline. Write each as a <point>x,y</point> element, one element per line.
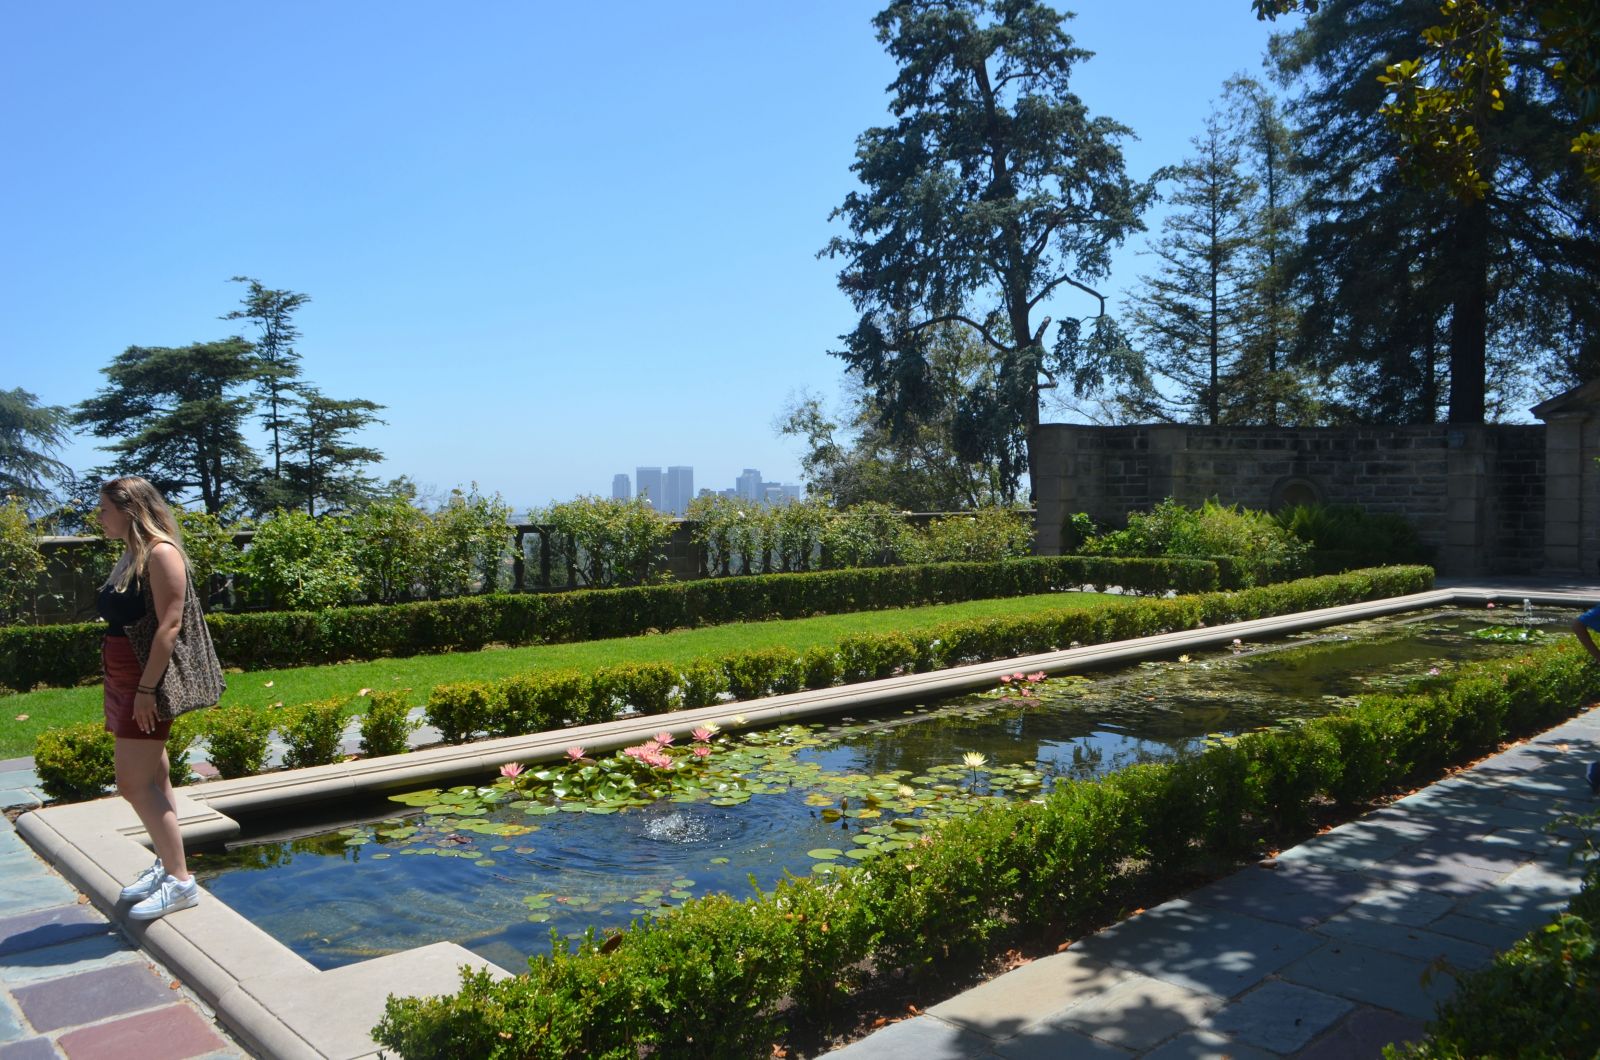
<point>259,856</point>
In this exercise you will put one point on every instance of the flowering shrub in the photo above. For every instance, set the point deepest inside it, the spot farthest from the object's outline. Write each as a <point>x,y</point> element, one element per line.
<point>606,542</point>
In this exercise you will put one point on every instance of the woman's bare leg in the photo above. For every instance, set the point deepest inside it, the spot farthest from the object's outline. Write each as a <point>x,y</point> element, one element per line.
<point>143,779</point>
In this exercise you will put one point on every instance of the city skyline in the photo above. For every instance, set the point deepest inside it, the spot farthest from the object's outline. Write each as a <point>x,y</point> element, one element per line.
<point>674,487</point>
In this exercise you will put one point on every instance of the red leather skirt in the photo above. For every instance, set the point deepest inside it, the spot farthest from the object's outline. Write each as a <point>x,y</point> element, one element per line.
<point>123,673</point>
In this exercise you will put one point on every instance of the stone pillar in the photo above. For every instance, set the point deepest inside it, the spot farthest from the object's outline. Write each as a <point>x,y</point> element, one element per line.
<point>1469,502</point>
<point>1571,489</point>
<point>1051,491</point>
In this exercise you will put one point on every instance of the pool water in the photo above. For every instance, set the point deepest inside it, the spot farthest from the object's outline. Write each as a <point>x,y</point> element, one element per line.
<point>497,870</point>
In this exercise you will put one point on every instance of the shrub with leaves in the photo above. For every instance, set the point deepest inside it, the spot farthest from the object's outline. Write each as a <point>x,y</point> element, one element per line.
<point>312,732</point>
<point>390,540</point>
<point>386,725</point>
<point>75,762</point>
<point>185,729</point>
<point>983,535</point>
<point>237,739</point>
<point>607,542</point>
<point>468,545</point>
<point>1354,535</point>
<point>210,548</point>
<point>866,535</point>
<point>1209,531</point>
<point>21,560</point>
<point>301,563</point>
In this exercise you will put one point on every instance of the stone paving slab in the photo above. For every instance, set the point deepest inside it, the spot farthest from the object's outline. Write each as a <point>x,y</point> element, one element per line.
<point>1204,949</point>
<point>30,1049</point>
<point>1406,941</point>
<point>1003,1006</point>
<point>68,958</point>
<point>1279,1017</point>
<point>1052,1043</point>
<point>920,1038</point>
<point>1300,895</point>
<point>1377,977</point>
<point>173,1032</point>
<point>1136,1014</point>
<point>90,996</point>
<point>47,927</point>
<point>1364,1034</point>
<point>11,1025</point>
<point>1206,1045</point>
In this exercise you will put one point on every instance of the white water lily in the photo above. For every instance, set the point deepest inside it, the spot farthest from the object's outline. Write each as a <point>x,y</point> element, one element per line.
<point>974,760</point>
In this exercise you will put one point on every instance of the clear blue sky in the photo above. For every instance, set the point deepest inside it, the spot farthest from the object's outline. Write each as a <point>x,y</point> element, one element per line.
<point>556,240</point>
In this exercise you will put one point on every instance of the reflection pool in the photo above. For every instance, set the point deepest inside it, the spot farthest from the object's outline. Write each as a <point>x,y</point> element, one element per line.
<point>498,866</point>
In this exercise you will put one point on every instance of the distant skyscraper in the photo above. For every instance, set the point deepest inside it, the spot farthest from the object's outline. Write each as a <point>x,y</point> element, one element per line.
<point>791,493</point>
<point>680,489</point>
<point>621,488</point>
<point>749,485</point>
<point>648,482</point>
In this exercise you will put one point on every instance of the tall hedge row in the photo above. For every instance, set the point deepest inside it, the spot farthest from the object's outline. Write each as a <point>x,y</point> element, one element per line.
<point>69,654</point>
<point>721,977</point>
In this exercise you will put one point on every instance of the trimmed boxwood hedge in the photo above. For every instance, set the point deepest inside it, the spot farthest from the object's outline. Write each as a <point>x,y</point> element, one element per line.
<point>541,700</point>
<point>720,977</point>
<point>69,654</point>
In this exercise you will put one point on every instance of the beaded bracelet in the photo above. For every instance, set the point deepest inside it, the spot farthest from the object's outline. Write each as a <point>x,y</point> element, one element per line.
<point>146,691</point>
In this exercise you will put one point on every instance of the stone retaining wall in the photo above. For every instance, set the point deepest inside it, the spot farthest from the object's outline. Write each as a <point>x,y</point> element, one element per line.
<point>1476,494</point>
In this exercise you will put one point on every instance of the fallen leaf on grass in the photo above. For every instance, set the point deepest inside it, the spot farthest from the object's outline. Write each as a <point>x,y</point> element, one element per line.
<point>22,717</point>
<point>267,685</point>
<point>364,692</point>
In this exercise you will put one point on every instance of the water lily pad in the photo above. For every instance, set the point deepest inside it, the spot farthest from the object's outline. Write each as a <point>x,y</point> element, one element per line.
<point>484,862</point>
<point>824,853</point>
<point>680,895</point>
<point>540,811</point>
<point>600,809</point>
<point>539,918</point>
<point>860,853</point>
<point>719,861</point>
<point>379,857</point>
<point>440,809</point>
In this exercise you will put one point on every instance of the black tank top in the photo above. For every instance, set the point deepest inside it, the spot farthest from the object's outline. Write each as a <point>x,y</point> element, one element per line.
<point>120,609</point>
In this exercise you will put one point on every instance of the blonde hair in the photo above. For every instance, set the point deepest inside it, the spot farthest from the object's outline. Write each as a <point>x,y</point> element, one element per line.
<point>150,522</point>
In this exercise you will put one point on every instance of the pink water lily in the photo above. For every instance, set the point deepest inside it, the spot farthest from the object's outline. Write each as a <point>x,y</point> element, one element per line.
<point>575,753</point>
<point>1036,678</point>
<point>702,734</point>
<point>701,750</point>
<point>511,769</point>
<point>1005,679</point>
<point>664,739</point>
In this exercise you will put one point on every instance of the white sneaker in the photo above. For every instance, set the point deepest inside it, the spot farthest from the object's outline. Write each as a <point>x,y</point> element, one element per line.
<point>146,884</point>
<point>169,897</point>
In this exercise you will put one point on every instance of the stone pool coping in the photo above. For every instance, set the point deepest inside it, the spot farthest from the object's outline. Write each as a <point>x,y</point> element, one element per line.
<point>280,1005</point>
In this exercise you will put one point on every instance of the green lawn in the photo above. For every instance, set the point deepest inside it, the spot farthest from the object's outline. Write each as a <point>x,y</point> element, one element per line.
<point>28,715</point>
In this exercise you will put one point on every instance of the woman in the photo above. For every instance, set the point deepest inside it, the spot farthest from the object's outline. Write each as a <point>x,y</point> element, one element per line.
<point>152,576</point>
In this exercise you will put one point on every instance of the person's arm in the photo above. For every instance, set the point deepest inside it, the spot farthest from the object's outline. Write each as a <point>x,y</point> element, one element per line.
<point>168,582</point>
<point>1586,638</point>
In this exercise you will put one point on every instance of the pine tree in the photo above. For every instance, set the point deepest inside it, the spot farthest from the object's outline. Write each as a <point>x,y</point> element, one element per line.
<point>1190,318</point>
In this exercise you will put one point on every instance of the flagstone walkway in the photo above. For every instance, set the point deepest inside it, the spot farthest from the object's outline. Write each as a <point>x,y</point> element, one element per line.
<point>72,984</point>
